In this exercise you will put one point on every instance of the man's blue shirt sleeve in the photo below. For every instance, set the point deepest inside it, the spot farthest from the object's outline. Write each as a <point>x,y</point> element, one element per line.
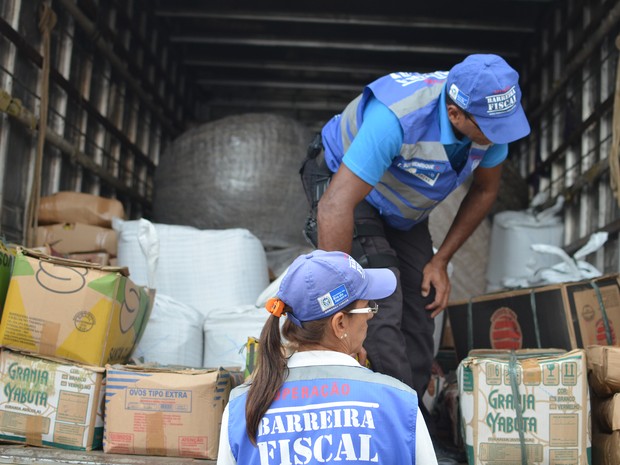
<point>376,144</point>
<point>494,155</point>
<point>379,141</point>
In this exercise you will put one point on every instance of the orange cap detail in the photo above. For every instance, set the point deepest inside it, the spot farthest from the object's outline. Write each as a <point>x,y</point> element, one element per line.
<point>275,306</point>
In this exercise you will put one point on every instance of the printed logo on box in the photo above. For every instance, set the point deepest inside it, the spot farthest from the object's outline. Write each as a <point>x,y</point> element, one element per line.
<point>192,446</point>
<point>158,400</point>
<point>505,330</point>
<point>84,321</point>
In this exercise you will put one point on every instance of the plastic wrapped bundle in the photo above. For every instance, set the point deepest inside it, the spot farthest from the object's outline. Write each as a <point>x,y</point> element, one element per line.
<point>199,268</point>
<point>238,172</point>
<point>173,335</point>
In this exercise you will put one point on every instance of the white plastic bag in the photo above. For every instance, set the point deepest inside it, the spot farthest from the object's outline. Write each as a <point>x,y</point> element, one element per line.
<point>569,269</point>
<point>173,335</point>
<point>511,258</point>
<point>204,269</point>
<point>226,331</point>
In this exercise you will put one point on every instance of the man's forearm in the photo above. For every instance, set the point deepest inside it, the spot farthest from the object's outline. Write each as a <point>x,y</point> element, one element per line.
<point>335,215</point>
<point>474,208</point>
<point>335,229</point>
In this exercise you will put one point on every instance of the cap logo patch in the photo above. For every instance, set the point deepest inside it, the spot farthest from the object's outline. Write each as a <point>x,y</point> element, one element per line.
<point>333,298</point>
<point>498,104</point>
<point>357,267</point>
<point>460,98</point>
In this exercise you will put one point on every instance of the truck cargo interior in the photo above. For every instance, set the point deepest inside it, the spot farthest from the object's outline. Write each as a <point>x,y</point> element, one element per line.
<point>161,142</point>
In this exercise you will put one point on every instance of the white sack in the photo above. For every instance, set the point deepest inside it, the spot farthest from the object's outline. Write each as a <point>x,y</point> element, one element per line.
<point>226,331</point>
<point>173,334</point>
<point>512,234</point>
<point>570,269</point>
<point>204,269</point>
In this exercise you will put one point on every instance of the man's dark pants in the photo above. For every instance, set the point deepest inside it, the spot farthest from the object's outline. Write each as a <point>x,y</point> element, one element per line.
<point>400,336</point>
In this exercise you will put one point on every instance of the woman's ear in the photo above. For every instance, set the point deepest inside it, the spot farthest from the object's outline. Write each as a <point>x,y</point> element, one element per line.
<point>338,324</point>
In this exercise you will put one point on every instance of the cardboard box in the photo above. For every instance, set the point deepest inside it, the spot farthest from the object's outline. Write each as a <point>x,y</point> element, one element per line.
<point>565,316</point>
<point>160,411</point>
<point>604,369</point>
<point>606,413</point>
<point>66,238</point>
<point>73,310</point>
<point>49,403</point>
<point>447,339</point>
<point>606,449</point>
<point>7,256</point>
<point>101,258</point>
<point>79,207</point>
<point>537,401</point>
<point>251,356</point>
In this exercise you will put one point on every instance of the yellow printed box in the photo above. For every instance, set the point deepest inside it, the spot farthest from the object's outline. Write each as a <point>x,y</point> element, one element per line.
<point>76,311</point>
<point>532,402</point>
<point>164,411</point>
<point>44,402</point>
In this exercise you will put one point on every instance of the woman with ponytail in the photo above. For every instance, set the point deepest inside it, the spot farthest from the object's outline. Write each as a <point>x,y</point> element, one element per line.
<point>311,399</point>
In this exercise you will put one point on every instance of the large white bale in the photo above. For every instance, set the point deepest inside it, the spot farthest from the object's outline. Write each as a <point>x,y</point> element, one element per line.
<point>173,334</point>
<point>204,269</point>
<point>226,331</point>
<point>512,235</point>
<point>241,171</point>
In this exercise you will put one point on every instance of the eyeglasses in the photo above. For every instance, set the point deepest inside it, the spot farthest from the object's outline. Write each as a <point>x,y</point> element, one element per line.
<point>372,308</point>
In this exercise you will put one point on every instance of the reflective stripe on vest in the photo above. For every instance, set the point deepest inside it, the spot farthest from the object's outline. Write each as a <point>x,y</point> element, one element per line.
<point>421,175</point>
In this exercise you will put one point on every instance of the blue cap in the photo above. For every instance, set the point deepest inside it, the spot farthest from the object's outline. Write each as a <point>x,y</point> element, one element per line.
<point>488,88</point>
<point>321,283</point>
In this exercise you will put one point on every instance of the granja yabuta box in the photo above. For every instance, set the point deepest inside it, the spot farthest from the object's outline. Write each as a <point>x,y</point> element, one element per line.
<point>527,402</point>
<point>46,402</point>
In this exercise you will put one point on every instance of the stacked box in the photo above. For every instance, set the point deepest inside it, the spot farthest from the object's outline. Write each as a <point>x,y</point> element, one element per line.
<point>7,256</point>
<point>50,403</point>
<point>604,369</point>
<point>70,238</point>
<point>566,316</point>
<point>606,449</point>
<point>162,411</point>
<point>79,207</point>
<point>604,378</point>
<point>101,258</point>
<point>606,412</point>
<point>76,311</point>
<point>532,402</point>
<point>78,226</point>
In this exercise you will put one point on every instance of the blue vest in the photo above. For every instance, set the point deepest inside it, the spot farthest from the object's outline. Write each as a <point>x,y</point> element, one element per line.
<point>421,175</point>
<point>329,414</point>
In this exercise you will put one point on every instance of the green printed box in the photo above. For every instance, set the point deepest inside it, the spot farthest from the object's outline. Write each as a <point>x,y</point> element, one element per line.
<point>7,255</point>
<point>44,402</point>
<point>77,311</point>
<point>532,402</point>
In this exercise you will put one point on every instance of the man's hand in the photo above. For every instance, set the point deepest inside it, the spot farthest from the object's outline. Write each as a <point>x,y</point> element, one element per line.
<point>472,211</point>
<point>435,274</point>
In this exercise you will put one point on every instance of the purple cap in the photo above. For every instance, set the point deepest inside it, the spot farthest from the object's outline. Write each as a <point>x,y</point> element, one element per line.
<point>321,283</point>
<point>488,88</point>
